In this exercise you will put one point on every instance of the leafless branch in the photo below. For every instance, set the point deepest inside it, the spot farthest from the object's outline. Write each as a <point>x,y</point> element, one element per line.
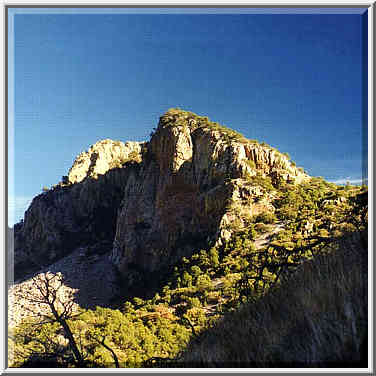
<point>106,347</point>
<point>47,286</point>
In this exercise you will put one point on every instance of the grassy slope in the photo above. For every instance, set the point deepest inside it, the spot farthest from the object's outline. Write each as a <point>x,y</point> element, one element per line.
<point>316,318</point>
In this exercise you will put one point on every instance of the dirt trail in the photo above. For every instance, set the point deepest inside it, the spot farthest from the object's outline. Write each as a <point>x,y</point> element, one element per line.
<point>263,239</point>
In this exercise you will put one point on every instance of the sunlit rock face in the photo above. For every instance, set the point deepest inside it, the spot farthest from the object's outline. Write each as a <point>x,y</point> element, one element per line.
<point>195,181</point>
<point>102,157</point>
<point>155,202</point>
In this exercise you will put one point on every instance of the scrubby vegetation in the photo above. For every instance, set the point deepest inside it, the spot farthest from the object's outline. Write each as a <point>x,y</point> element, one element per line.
<point>316,319</point>
<point>299,296</point>
<point>178,117</point>
<point>287,287</point>
<point>265,182</point>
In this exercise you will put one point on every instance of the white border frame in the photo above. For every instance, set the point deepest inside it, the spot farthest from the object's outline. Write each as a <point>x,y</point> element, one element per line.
<point>170,3</point>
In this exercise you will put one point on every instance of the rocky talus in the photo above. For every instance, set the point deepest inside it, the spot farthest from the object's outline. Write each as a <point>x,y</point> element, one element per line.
<point>192,184</point>
<point>90,278</point>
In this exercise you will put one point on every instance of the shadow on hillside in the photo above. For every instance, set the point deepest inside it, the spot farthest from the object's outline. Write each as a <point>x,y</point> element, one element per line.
<point>76,219</point>
<point>89,272</point>
<point>97,282</point>
<point>318,318</point>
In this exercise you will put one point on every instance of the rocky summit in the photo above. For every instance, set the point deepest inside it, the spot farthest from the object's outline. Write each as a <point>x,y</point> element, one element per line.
<point>151,203</point>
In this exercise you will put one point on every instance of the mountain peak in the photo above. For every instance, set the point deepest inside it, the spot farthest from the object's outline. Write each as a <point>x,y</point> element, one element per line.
<point>157,201</point>
<point>181,133</point>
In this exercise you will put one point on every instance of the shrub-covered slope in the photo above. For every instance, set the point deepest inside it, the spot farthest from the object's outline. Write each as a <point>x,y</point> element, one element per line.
<point>318,318</point>
<point>233,257</point>
<point>298,298</point>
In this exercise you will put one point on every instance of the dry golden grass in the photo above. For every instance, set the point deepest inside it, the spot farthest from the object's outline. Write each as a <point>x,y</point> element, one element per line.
<point>318,318</point>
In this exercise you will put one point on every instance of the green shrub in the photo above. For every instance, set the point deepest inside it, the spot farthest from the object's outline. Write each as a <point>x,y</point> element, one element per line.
<point>186,280</point>
<point>214,257</point>
<point>252,232</point>
<point>251,164</point>
<point>204,283</point>
<point>266,218</point>
<point>264,182</point>
<point>195,271</point>
<point>261,228</point>
<point>193,302</point>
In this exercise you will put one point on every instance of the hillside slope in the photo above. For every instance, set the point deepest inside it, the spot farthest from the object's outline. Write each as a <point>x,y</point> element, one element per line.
<point>226,253</point>
<point>318,318</point>
<point>156,201</point>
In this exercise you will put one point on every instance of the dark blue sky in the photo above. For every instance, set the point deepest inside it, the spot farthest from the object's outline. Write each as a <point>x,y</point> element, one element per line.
<point>291,80</point>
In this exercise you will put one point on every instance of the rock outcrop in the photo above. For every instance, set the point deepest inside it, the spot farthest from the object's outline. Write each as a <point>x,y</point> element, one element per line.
<point>78,214</point>
<point>102,157</point>
<point>197,179</point>
<point>195,182</point>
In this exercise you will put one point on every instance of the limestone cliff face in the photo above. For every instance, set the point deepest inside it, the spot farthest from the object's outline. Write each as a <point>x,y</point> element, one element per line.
<point>70,215</point>
<point>102,157</point>
<point>195,182</point>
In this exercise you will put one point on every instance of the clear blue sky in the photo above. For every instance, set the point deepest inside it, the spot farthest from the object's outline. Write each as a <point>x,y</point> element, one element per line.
<point>291,80</point>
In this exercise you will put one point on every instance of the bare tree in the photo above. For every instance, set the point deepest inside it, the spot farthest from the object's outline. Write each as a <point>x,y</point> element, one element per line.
<point>50,301</point>
<point>101,342</point>
<point>47,291</point>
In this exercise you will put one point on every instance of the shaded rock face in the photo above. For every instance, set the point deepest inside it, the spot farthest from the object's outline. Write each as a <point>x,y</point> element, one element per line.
<point>155,201</point>
<point>182,195</point>
<point>68,216</point>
